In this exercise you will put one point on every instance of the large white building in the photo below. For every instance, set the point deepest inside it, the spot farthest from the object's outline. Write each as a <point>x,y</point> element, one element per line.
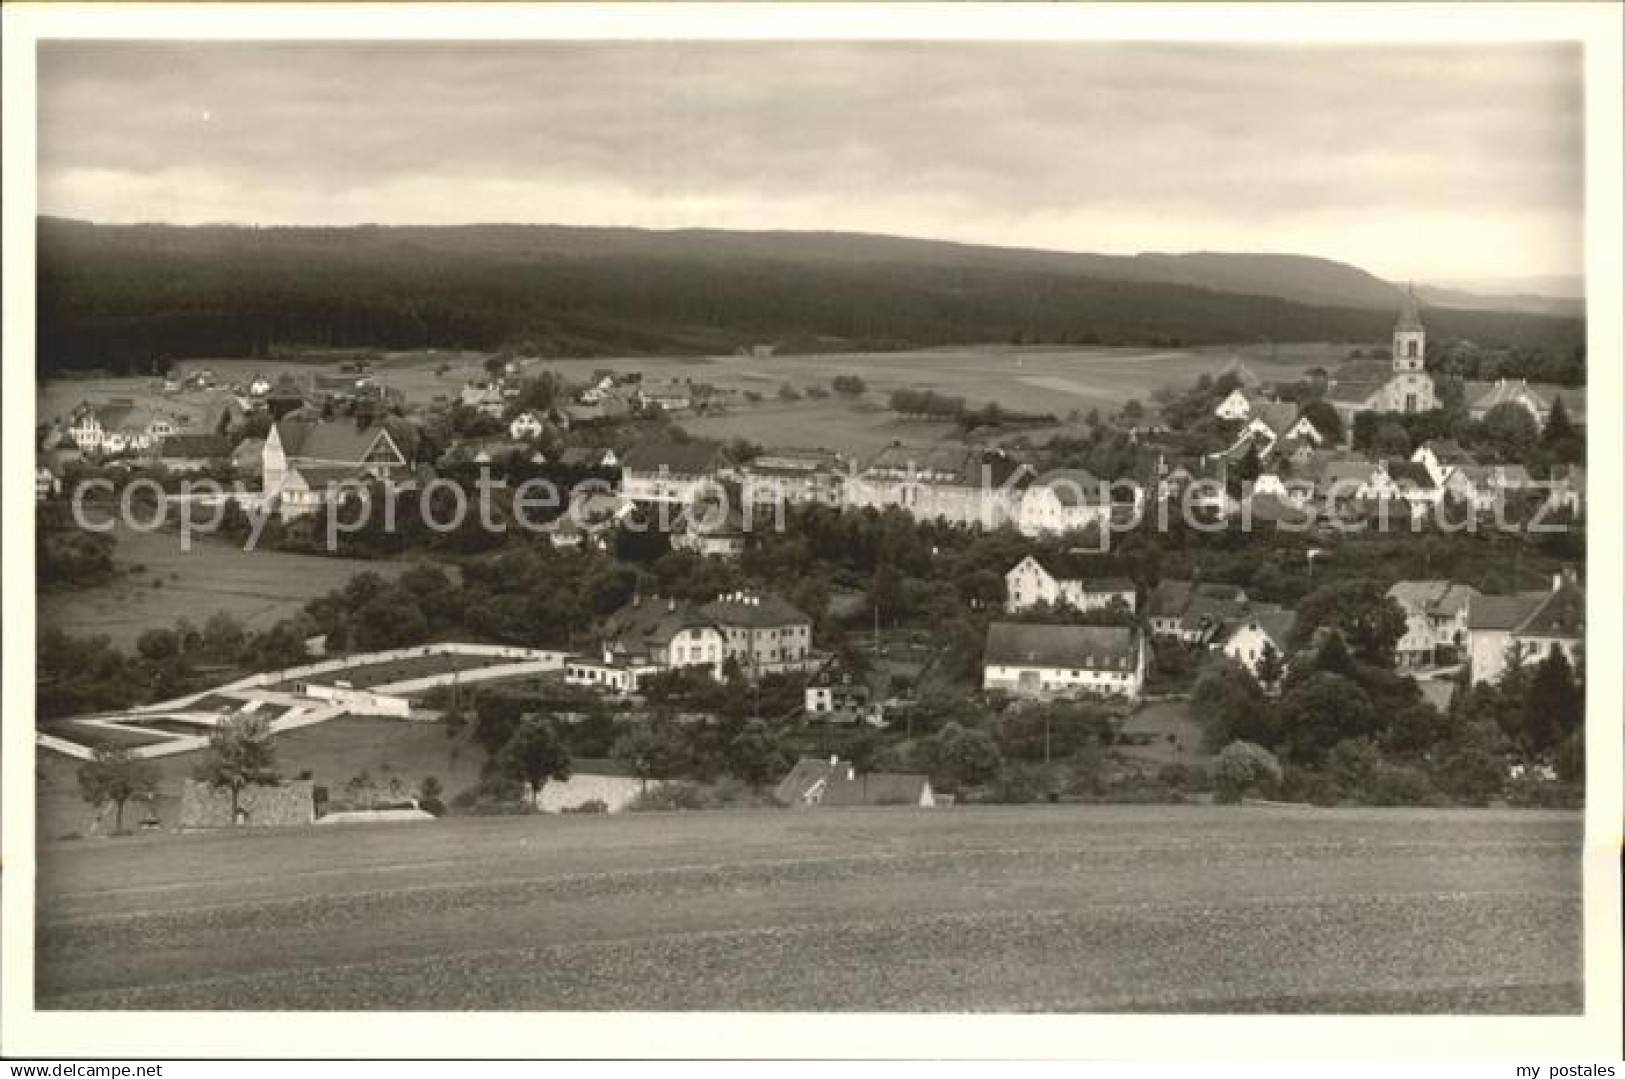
<point>1435,621</point>
<point>955,484</point>
<point>673,473</point>
<point>306,463</point>
<point>1048,661</point>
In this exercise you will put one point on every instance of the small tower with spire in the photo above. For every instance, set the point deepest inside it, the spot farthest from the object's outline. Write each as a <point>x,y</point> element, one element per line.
<point>1410,339</point>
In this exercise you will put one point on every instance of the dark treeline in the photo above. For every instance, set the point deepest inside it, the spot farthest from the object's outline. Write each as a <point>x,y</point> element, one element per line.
<point>124,298</point>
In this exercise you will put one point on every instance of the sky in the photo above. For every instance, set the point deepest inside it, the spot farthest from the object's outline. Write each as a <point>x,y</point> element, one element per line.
<point>1425,163</point>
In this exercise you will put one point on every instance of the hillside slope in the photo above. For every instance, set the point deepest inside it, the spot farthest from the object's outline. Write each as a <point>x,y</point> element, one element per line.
<point>118,297</point>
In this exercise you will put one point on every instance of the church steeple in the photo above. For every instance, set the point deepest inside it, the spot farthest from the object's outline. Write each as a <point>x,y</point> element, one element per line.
<point>1410,339</point>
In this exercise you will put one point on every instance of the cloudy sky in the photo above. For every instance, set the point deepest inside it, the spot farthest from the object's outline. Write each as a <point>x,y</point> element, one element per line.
<point>1423,163</point>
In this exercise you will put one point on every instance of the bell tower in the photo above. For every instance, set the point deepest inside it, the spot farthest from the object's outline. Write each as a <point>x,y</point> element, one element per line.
<point>1410,340</point>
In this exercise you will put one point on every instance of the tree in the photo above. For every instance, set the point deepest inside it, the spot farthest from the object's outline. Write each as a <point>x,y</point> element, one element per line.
<point>1133,409</point>
<point>1242,767</point>
<point>754,755</point>
<point>241,753</point>
<point>1359,609</point>
<point>1558,428</point>
<point>112,775</point>
<point>1229,704</point>
<point>1270,666</point>
<point>849,385</point>
<point>1391,440</point>
<point>533,754</point>
<point>1509,430</point>
<point>968,757</point>
<point>1553,706</point>
<point>496,365</point>
<point>1322,711</point>
<point>652,750</point>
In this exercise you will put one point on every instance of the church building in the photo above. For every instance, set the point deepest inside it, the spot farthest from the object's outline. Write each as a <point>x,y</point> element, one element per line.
<point>1399,384</point>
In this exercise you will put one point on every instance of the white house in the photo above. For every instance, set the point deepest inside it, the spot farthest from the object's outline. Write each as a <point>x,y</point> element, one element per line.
<point>1263,630</point>
<point>1524,628</point>
<point>525,426</point>
<point>118,427</point>
<point>1237,405</point>
<point>1436,624</point>
<point>1044,661</point>
<point>1029,583</point>
<point>1063,501</point>
<point>306,463</point>
<point>675,473</point>
<point>794,476</point>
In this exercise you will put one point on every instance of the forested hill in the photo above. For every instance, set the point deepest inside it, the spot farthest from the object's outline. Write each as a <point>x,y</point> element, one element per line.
<point>119,297</point>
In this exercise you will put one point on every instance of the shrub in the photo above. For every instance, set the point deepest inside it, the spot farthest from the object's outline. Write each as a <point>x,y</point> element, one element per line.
<point>433,806</point>
<point>1307,785</point>
<point>1401,785</point>
<point>465,799</point>
<point>591,805</point>
<point>1243,768</point>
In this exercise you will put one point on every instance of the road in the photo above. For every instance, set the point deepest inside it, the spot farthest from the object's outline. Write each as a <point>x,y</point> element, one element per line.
<point>1041,909</point>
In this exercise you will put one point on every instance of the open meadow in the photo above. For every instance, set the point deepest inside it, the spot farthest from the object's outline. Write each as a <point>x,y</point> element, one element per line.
<point>1058,909</point>
<point>258,587</point>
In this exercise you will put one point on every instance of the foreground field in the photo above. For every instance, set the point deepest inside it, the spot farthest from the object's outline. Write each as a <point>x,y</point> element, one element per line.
<point>1011,909</point>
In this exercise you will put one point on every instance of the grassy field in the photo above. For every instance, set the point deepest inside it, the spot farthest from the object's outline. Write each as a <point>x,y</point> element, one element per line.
<point>1056,909</point>
<point>1050,379</point>
<point>258,587</point>
<point>366,676</point>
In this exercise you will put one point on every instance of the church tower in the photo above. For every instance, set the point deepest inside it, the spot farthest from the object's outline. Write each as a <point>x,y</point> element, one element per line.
<point>1410,339</point>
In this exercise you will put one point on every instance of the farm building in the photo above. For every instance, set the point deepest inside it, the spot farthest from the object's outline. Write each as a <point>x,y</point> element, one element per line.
<point>1031,660</point>
<point>1061,580</point>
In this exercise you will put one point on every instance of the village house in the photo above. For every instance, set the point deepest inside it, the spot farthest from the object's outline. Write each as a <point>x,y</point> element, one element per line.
<point>259,385</point>
<point>306,463</point>
<point>1044,661</point>
<point>763,633</point>
<point>1194,613</point>
<point>1524,628</point>
<point>1238,404</point>
<point>1061,502</point>
<point>589,458</point>
<point>675,473</point>
<point>1538,400</point>
<point>1435,622</point>
<point>670,399</point>
<point>486,398</point>
<point>709,529</point>
<point>955,484</point>
<point>526,426</point>
<point>1441,457</point>
<point>1275,427</point>
<point>588,521</point>
<point>794,477</point>
<point>193,453</point>
<point>47,480</point>
<point>1264,630</point>
<point>647,636</point>
<point>1398,384</point>
<point>1058,580</point>
<point>119,426</point>
<point>832,782</point>
<point>1403,481</point>
<point>836,697</point>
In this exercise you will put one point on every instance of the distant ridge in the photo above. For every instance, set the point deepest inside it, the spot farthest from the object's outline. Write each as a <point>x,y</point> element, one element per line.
<point>117,295</point>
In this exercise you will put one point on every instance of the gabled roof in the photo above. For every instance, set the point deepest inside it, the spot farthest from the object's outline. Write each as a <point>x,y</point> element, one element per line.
<point>1278,416</point>
<point>792,462</point>
<point>1410,474</point>
<point>1502,612</point>
<point>338,441</point>
<point>1447,452</point>
<point>1357,380</point>
<point>1275,623</point>
<point>1073,487</point>
<point>875,789</point>
<point>1169,599</point>
<point>1022,644</point>
<point>1560,614</point>
<point>806,774</point>
<point>583,456</point>
<point>1438,597</point>
<point>676,458</point>
<point>650,622</point>
<point>190,446</point>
